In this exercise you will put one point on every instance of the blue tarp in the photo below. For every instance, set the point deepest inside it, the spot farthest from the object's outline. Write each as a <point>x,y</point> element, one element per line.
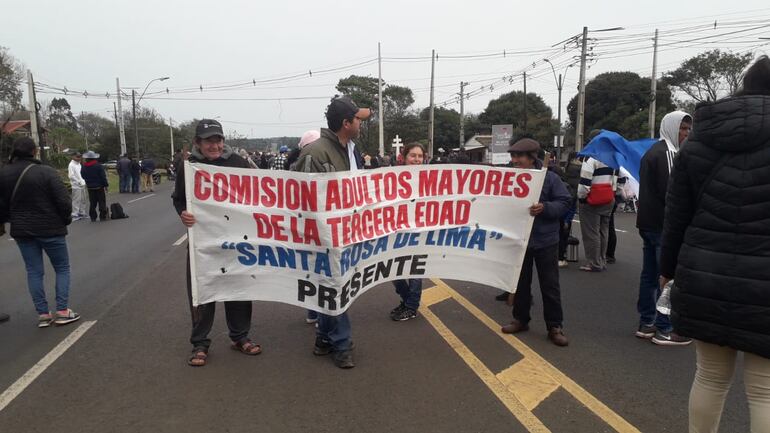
<point>615,151</point>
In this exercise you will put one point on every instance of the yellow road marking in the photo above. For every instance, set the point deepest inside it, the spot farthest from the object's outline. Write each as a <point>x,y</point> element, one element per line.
<point>433,295</point>
<point>525,417</point>
<point>589,401</point>
<point>528,383</point>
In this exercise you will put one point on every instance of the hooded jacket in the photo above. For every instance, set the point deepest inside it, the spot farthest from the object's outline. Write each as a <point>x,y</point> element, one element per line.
<point>654,171</point>
<point>228,159</point>
<point>717,246</point>
<point>42,206</point>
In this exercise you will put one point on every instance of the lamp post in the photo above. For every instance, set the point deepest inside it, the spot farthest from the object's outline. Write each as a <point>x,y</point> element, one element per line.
<point>559,86</point>
<point>134,102</point>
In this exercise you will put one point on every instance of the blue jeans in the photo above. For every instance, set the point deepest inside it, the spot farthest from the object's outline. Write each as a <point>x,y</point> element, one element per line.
<point>125,182</point>
<point>649,284</point>
<point>335,330</point>
<point>32,253</point>
<point>410,291</point>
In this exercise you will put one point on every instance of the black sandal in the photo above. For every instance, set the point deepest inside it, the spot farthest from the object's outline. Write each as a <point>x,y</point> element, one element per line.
<point>246,347</point>
<point>198,358</point>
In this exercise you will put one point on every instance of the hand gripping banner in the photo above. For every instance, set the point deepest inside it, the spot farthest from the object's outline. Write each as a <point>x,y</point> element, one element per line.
<point>321,240</point>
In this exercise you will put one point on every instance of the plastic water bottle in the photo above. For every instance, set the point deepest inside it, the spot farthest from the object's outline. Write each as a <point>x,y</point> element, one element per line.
<point>664,301</point>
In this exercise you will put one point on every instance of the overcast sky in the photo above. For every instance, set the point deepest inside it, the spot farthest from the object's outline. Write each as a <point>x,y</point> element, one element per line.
<point>85,45</point>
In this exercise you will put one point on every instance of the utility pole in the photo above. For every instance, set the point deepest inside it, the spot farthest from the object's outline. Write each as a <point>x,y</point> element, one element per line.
<point>525,102</point>
<point>462,113</point>
<point>559,141</point>
<point>136,129</point>
<point>430,119</point>
<point>581,94</point>
<point>653,85</point>
<point>379,100</point>
<point>83,126</point>
<point>33,120</point>
<point>121,122</point>
<point>115,110</point>
<point>171,134</point>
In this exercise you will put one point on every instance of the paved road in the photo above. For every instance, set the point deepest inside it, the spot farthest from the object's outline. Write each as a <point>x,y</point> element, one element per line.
<point>448,371</point>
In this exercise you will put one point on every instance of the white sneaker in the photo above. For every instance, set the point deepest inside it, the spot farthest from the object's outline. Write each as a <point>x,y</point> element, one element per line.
<point>563,263</point>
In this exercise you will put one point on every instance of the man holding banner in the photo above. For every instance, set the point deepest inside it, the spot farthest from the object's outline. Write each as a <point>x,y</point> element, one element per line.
<point>335,151</point>
<point>210,149</point>
<point>542,249</point>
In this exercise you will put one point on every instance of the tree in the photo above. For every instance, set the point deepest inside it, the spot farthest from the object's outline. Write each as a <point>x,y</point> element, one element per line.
<point>446,127</point>
<point>619,101</point>
<point>11,76</point>
<point>710,75</point>
<point>396,101</point>
<point>509,109</point>
<point>60,114</point>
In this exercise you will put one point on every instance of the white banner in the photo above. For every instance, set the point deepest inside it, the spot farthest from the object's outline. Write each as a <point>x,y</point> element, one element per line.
<point>321,240</point>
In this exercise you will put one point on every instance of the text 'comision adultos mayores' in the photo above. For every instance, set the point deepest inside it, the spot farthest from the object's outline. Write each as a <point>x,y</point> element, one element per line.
<point>320,240</point>
<point>377,192</point>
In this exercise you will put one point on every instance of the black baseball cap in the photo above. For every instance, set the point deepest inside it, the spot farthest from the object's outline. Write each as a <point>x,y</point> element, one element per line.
<point>208,128</point>
<point>343,107</point>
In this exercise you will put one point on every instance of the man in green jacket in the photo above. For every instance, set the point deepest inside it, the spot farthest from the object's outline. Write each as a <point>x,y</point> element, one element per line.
<point>335,151</point>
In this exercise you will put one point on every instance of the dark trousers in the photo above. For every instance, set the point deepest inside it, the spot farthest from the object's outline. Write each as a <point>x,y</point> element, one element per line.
<point>135,177</point>
<point>237,315</point>
<point>97,197</point>
<point>612,238</point>
<point>546,260</point>
<point>125,182</point>
<point>564,231</point>
<point>410,292</point>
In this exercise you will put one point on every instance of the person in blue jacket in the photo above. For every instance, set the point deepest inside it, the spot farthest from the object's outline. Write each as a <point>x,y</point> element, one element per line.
<point>542,249</point>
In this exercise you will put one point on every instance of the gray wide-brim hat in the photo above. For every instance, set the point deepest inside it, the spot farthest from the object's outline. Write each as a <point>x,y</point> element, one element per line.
<point>91,155</point>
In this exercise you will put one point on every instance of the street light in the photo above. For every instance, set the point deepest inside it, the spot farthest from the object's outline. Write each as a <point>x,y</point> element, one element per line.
<point>559,86</point>
<point>134,102</point>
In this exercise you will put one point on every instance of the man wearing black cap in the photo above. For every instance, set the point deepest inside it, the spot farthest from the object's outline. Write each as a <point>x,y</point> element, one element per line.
<point>542,249</point>
<point>335,151</point>
<point>210,148</point>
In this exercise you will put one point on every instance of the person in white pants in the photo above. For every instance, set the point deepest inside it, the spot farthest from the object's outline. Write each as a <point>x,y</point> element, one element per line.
<point>78,188</point>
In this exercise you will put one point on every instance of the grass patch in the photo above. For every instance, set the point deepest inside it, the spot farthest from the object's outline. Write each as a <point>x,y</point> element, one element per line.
<point>112,180</point>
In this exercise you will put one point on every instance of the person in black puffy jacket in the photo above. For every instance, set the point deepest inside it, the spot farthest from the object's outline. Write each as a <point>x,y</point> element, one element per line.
<point>716,244</point>
<point>39,213</point>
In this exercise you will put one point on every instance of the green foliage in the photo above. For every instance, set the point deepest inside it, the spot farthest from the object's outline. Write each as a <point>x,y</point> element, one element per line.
<point>62,138</point>
<point>709,75</point>
<point>60,115</point>
<point>509,109</point>
<point>11,76</point>
<point>619,101</point>
<point>58,160</point>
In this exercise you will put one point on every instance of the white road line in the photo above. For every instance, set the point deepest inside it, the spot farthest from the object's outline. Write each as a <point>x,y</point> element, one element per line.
<point>141,198</point>
<point>24,381</point>
<point>180,240</point>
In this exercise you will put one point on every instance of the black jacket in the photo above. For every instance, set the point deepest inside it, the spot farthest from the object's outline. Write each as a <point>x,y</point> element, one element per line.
<point>556,200</point>
<point>228,159</point>
<point>718,248</point>
<point>94,175</point>
<point>654,172</point>
<point>42,206</point>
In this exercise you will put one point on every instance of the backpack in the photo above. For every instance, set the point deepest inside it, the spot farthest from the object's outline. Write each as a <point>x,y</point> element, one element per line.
<point>116,212</point>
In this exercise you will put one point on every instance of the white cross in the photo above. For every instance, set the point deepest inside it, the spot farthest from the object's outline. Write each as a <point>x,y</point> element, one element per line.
<point>397,144</point>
